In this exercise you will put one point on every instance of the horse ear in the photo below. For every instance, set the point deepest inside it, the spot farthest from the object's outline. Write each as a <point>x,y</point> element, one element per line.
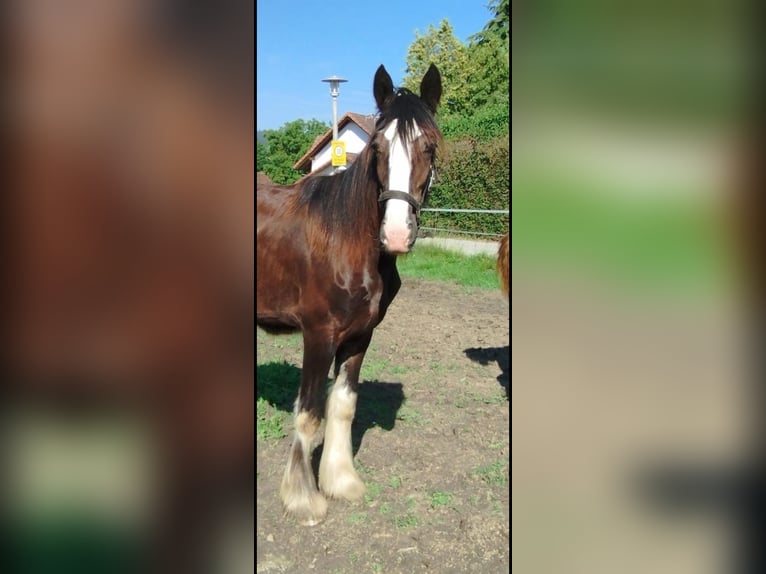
<point>431,88</point>
<point>382,87</point>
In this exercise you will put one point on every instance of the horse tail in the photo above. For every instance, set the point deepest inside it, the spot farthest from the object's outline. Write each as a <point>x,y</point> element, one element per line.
<point>503,258</point>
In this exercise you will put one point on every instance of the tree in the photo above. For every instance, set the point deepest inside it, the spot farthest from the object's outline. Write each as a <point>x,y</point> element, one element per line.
<point>489,72</point>
<point>473,75</point>
<point>440,47</point>
<point>498,27</point>
<point>285,146</point>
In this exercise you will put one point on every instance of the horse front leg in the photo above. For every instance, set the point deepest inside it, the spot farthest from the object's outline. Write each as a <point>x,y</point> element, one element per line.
<point>300,496</point>
<point>337,477</point>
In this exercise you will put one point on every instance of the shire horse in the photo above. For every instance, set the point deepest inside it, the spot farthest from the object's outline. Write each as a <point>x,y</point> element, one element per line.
<point>326,259</point>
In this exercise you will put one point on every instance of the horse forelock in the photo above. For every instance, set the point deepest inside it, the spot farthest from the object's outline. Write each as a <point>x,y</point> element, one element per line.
<point>411,114</point>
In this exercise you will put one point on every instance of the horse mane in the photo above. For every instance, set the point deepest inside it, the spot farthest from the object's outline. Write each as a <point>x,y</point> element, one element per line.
<point>343,202</point>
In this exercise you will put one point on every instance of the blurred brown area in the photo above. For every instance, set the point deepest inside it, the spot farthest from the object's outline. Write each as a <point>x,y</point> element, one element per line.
<point>128,233</point>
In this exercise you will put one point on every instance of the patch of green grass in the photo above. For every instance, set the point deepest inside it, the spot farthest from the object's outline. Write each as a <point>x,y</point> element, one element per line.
<point>377,567</point>
<point>439,368</point>
<point>398,370</point>
<point>493,474</point>
<point>270,421</point>
<point>495,399</point>
<point>360,468</point>
<point>406,521</point>
<point>395,481</point>
<point>385,508</point>
<point>438,264</point>
<point>373,491</point>
<point>372,368</point>
<point>440,499</point>
<point>357,518</point>
<point>410,415</point>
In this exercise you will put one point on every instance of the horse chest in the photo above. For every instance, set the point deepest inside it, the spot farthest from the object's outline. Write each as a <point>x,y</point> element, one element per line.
<point>354,299</point>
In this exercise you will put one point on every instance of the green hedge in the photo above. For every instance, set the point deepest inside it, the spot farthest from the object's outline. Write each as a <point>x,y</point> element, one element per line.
<point>471,174</point>
<point>486,123</point>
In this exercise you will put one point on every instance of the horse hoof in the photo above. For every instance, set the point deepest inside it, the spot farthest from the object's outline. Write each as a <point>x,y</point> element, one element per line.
<point>346,486</point>
<point>307,510</point>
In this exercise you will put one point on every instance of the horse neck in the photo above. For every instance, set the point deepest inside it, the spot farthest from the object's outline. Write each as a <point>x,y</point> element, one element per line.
<point>360,196</point>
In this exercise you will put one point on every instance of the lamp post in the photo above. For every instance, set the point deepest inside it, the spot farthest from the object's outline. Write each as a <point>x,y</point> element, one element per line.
<point>335,82</point>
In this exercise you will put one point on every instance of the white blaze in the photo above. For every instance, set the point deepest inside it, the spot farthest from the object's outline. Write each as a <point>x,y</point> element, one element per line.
<point>397,211</point>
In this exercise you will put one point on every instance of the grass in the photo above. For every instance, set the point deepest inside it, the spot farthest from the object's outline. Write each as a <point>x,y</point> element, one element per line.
<point>372,368</point>
<point>360,468</point>
<point>357,518</point>
<point>270,421</point>
<point>277,386</point>
<point>407,520</point>
<point>410,415</point>
<point>395,482</point>
<point>373,491</point>
<point>440,499</point>
<point>438,264</point>
<point>495,474</point>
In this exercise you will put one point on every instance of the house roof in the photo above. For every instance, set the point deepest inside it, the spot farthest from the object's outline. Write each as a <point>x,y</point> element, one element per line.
<point>367,123</point>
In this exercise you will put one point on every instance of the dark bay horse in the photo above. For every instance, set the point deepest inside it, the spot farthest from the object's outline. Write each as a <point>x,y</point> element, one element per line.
<point>326,259</point>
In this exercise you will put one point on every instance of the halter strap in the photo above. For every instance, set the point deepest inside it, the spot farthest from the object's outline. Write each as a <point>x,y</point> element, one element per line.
<point>394,194</point>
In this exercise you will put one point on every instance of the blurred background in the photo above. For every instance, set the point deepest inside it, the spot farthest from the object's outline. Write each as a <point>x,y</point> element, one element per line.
<point>630,295</point>
<point>127,417</point>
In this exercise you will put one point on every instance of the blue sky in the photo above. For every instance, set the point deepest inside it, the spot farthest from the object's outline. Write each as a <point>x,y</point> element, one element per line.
<point>295,49</point>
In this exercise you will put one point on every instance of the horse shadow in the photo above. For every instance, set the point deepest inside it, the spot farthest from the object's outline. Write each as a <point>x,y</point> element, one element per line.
<point>377,405</point>
<point>488,355</point>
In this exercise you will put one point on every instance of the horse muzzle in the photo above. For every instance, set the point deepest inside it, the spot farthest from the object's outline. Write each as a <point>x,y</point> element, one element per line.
<point>398,232</point>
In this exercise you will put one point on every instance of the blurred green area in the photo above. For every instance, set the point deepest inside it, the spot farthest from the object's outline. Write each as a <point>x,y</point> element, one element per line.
<point>676,61</point>
<point>650,80</point>
<point>659,243</point>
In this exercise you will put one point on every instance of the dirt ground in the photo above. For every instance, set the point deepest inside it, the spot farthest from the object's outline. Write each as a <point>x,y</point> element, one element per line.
<point>431,441</point>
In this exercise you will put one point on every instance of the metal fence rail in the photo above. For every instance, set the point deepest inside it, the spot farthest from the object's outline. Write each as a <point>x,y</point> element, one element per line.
<point>457,231</point>
<point>503,211</point>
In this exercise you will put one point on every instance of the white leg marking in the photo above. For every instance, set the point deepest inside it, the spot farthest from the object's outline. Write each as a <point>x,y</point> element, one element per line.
<point>299,492</point>
<point>337,477</point>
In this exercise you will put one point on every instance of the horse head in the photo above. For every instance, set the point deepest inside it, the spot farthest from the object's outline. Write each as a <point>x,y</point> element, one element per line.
<point>405,143</point>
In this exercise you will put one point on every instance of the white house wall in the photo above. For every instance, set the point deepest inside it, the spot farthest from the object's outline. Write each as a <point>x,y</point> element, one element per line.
<point>355,138</point>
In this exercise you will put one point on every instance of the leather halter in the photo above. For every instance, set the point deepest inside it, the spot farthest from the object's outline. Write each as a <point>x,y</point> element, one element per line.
<point>395,194</point>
